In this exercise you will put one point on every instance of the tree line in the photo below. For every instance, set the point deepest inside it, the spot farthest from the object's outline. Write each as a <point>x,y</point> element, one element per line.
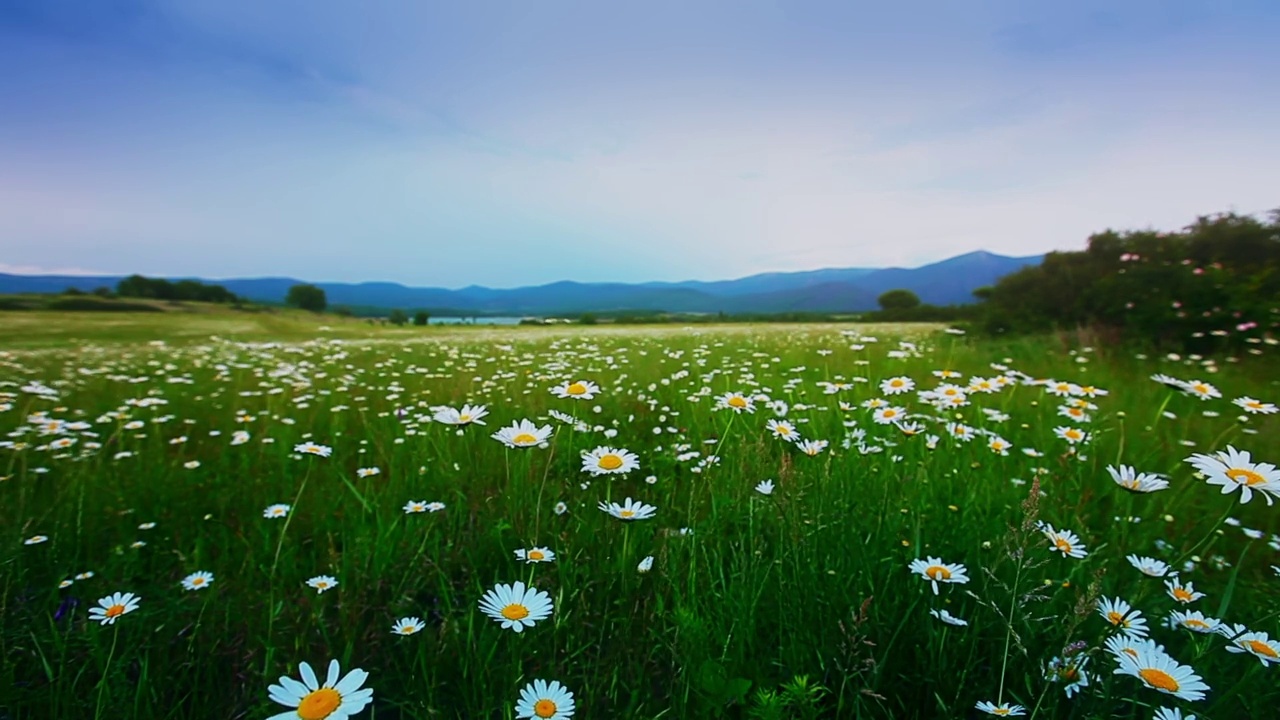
<point>1214,285</point>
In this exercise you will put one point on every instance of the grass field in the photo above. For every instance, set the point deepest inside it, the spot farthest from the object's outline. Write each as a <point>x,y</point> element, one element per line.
<point>342,512</point>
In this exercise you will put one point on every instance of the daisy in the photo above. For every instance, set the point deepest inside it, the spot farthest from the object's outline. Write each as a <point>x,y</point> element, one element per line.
<point>609,461</point>
<point>415,506</point>
<point>960,431</point>
<point>645,565</point>
<point>1174,714</point>
<point>1001,710</point>
<point>275,511</point>
<point>535,555</point>
<point>66,583</point>
<point>1123,616</point>
<point>888,415</point>
<point>783,429</point>
<point>812,447</point>
<point>435,506</point>
<point>936,571</point>
<point>579,390</point>
<point>1193,621</point>
<point>1256,644</point>
<point>1131,646</point>
<point>36,540</point>
<point>515,606</point>
<point>561,508</point>
<point>336,699</point>
<point>113,606</point>
<point>522,434</point>
<point>735,402</point>
<point>1182,592</point>
<point>948,618</point>
<point>310,448</point>
<point>407,626</point>
<point>1148,566</point>
<point>545,701</point>
<point>1071,435</point>
<point>895,385</point>
<point>1126,477</point>
<point>468,415</point>
<point>999,445</point>
<point>197,580</point>
<point>1160,672</point>
<point>1064,541</point>
<point>1252,406</point>
<point>629,510</point>
<point>1233,469</point>
<point>765,487</point>
<point>1202,390</point>
<point>368,472</point>
<point>322,583</point>
<point>1070,671</point>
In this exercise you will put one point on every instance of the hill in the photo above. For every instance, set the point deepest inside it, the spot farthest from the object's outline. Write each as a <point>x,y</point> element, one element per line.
<point>948,282</point>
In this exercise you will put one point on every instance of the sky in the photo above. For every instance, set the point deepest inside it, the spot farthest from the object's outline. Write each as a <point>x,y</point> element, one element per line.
<point>525,142</point>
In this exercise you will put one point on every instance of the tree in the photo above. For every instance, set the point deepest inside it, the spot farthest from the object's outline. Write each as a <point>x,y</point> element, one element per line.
<point>397,317</point>
<point>900,299</point>
<point>421,318</point>
<point>307,297</point>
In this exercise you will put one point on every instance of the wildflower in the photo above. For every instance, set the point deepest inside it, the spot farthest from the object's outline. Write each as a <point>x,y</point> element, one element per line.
<point>645,565</point>
<point>1001,710</point>
<point>515,606</point>
<point>368,472</point>
<point>948,618</point>
<point>535,555</point>
<point>113,606</point>
<point>1202,390</point>
<point>1064,541</point>
<point>1160,672</point>
<point>1253,407</point>
<point>888,415</point>
<point>561,508</point>
<point>407,626</point>
<point>896,385</point>
<point>1233,469</point>
<point>765,487</point>
<point>545,701</point>
<point>1183,593</point>
<point>936,571</point>
<point>1193,621</point>
<point>1148,566</point>
<point>579,390</point>
<point>999,445</point>
<point>322,583</point>
<point>609,461</point>
<point>275,511</point>
<point>629,510</point>
<point>783,429</point>
<point>66,584</point>
<point>1120,614</point>
<point>435,506</point>
<point>735,402</point>
<point>415,506</point>
<point>1069,671</point>
<point>1171,714</point>
<point>812,447</point>
<point>310,448</point>
<point>469,414</point>
<point>1257,644</point>
<point>1071,435</point>
<point>1126,477</point>
<point>336,699</point>
<point>197,580</point>
<point>522,434</point>
<point>36,540</point>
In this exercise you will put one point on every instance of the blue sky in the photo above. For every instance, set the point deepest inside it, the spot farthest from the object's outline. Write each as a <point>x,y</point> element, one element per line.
<point>514,143</point>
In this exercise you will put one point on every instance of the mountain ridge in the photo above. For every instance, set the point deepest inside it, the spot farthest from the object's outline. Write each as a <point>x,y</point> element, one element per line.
<point>946,282</point>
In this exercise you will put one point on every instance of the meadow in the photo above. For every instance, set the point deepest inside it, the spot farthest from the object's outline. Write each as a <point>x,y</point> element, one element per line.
<point>808,521</point>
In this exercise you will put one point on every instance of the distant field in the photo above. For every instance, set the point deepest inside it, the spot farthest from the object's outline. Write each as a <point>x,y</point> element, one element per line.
<point>841,521</point>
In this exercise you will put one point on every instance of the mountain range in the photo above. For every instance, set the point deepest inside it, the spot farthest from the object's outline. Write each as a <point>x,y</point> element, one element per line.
<point>948,282</point>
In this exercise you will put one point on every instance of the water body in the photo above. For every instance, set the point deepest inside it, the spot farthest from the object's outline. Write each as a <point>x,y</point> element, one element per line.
<point>474,321</point>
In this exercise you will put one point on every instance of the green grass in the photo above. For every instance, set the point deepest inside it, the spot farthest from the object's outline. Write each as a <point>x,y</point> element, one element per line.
<point>795,604</point>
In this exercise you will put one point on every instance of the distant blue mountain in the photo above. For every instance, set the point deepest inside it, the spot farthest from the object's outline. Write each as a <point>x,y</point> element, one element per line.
<point>948,282</point>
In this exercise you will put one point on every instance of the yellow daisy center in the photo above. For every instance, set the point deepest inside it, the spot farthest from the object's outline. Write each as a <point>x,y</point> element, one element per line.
<point>536,555</point>
<point>1260,648</point>
<point>1002,711</point>
<point>784,430</point>
<point>114,611</point>
<point>626,513</point>
<point>1159,679</point>
<point>937,572</point>
<point>1072,434</point>
<point>197,581</point>
<point>576,389</point>
<point>737,402</point>
<point>895,383</point>
<point>319,704</point>
<point>1193,622</point>
<point>1070,674</point>
<point>464,417</point>
<point>890,413</point>
<point>1245,477</point>
<point>1117,619</point>
<point>1062,544</point>
<point>544,708</point>
<point>524,439</point>
<point>610,462</point>
<point>515,611</point>
<point>1181,595</point>
<point>1201,388</point>
<point>1254,404</point>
